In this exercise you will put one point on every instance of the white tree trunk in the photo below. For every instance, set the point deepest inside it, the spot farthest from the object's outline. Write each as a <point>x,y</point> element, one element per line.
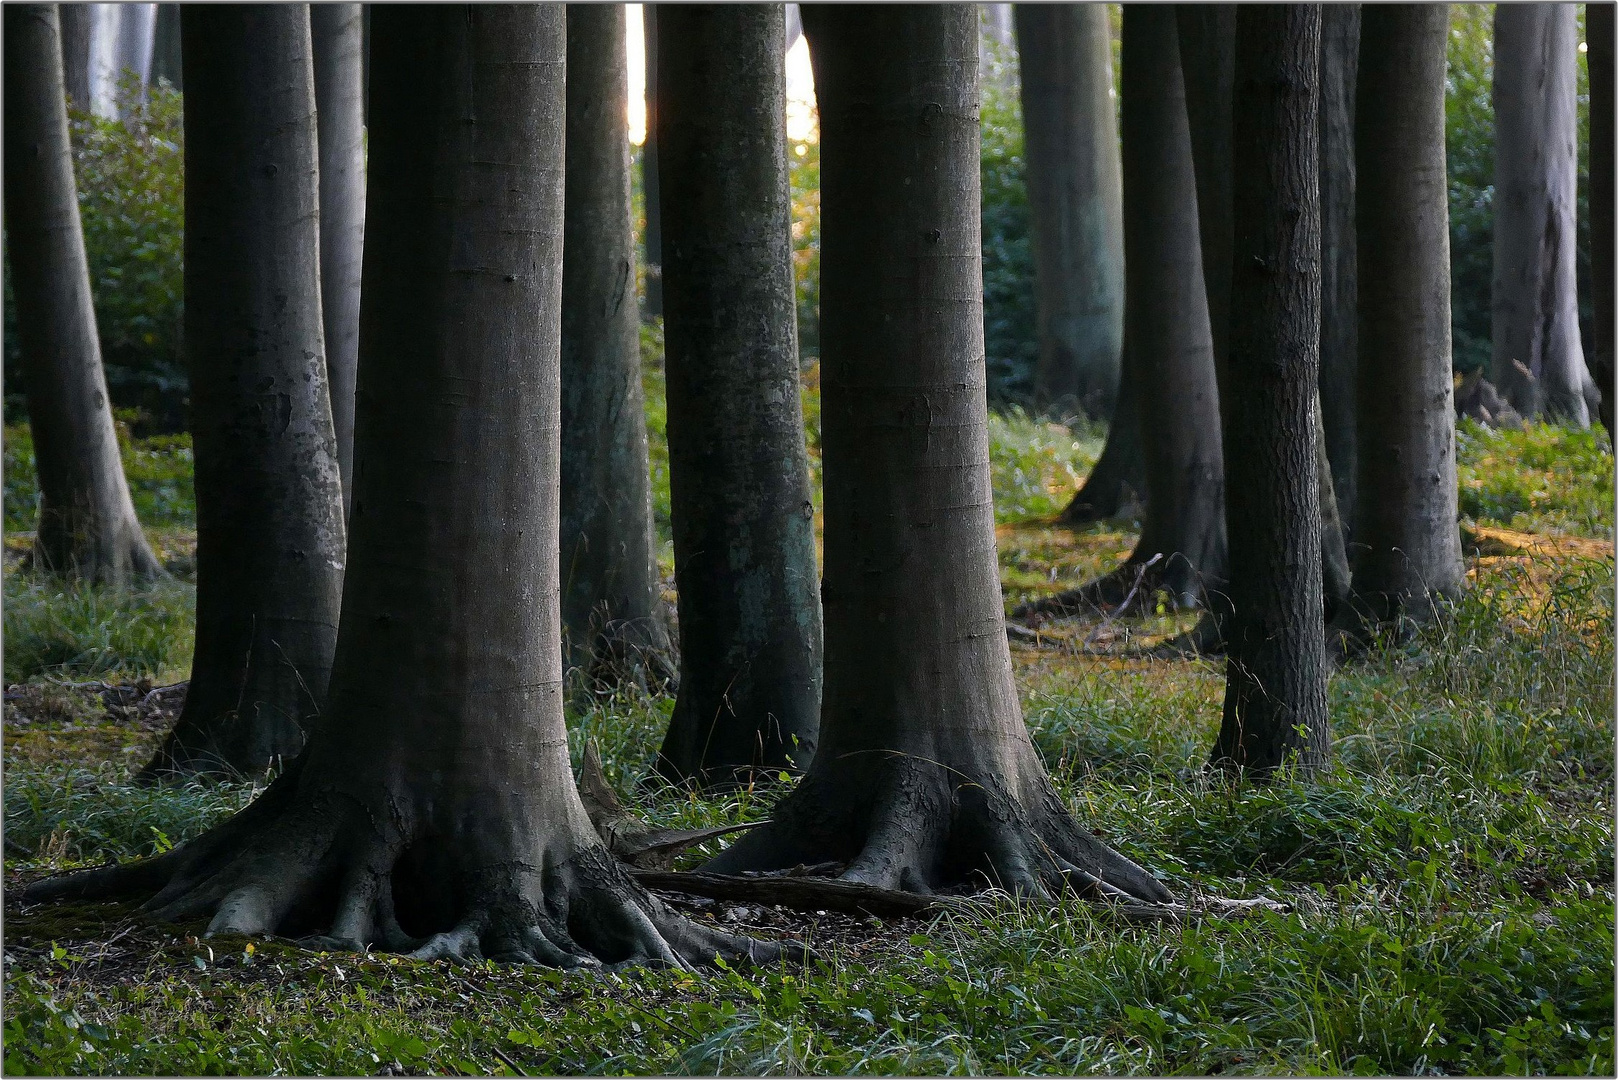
<point>121,39</point>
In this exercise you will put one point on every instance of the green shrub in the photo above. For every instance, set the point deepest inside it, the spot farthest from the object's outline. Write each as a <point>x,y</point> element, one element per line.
<point>131,186</point>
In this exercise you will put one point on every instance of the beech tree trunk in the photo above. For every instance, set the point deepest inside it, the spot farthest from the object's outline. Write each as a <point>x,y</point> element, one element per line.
<point>1538,361</point>
<point>270,543</point>
<point>1275,682</point>
<point>1339,315</point>
<point>340,103</point>
<point>1075,202</point>
<point>1598,27</point>
<point>612,608</point>
<point>925,777</point>
<point>436,811</point>
<point>87,526</point>
<point>651,193</point>
<point>75,28</point>
<point>744,543</point>
<point>1407,543</point>
<point>1117,483</point>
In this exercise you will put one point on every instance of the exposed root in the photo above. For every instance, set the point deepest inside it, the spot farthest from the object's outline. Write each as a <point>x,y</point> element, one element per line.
<point>1131,589</point>
<point>623,654</point>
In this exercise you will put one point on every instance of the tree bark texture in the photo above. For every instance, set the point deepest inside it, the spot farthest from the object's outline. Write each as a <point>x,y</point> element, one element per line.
<point>1598,29</point>
<point>1535,298</point>
<point>925,776</point>
<point>744,545</point>
<point>612,608</point>
<point>340,105</point>
<point>651,192</point>
<point>1075,202</point>
<point>1117,483</point>
<point>270,540</point>
<point>1275,682</point>
<point>75,28</point>
<point>1339,317</point>
<point>1407,543</point>
<point>87,526</point>
<point>437,810</point>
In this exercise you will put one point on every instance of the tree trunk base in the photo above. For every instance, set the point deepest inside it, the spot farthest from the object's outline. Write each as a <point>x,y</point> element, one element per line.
<point>1364,620</point>
<point>625,655</point>
<point>349,866</point>
<point>126,561</point>
<point>1129,590</point>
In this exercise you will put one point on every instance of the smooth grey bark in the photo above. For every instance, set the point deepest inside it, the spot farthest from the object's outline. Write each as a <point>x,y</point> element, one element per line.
<point>1407,543</point>
<point>744,543</point>
<point>1117,483</point>
<point>166,47</point>
<point>270,540</point>
<point>651,191</point>
<point>1339,317</point>
<point>87,526</point>
<point>1075,202</point>
<point>1538,360</point>
<point>1275,681</point>
<point>75,24</point>
<point>925,777</point>
<point>1598,29</point>
<point>335,30</point>
<point>1167,339</point>
<point>436,811</point>
<point>612,609</point>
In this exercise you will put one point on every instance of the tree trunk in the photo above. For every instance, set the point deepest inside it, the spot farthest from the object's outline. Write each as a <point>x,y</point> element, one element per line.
<point>1075,202</point>
<point>612,608</point>
<point>1275,682</point>
<point>339,100</point>
<point>1166,336</point>
<point>137,34</point>
<point>1599,34</point>
<point>744,542</point>
<point>1117,483</point>
<point>1538,361</point>
<point>87,525</point>
<point>75,23</point>
<point>1407,544</point>
<point>925,777</point>
<point>1339,317</point>
<point>270,544</point>
<point>651,193</point>
<point>166,47</point>
<point>438,803</point>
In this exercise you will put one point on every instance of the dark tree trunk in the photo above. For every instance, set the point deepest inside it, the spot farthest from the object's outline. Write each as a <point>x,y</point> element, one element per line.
<point>75,23</point>
<point>339,100</point>
<point>166,47</point>
<point>1075,202</point>
<point>270,544</point>
<point>1117,484</point>
<point>1166,338</point>
<point>1538,361</point>
<point>87,526</point>
<point>744,542</point>
<point>437,803</point>
<point>1599,33</point>
<point>612,609</point>
<point>925,777</point>
<point>651,192</point>
<point>1407,544</point>
<point>1339,316</point>
<point>1275,682</point>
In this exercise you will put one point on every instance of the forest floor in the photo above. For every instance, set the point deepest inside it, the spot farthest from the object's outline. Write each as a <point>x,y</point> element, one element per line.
<point>1450,880</point>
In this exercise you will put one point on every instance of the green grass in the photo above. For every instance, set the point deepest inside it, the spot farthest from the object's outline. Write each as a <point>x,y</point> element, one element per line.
<point>1450,876</point>
<point>158,469</point>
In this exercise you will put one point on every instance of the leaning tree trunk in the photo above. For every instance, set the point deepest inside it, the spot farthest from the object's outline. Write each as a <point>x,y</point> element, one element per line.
<point>87,525</point>
<point>75,23</point>
<point>1599,33</point>
<point>744,542</point>
<point>1275,688</point>
<point>612,608</point>
<point>1538,361</point>
<point>340,103</point>
<point>1407,543</point>
<point>1075,202</point>
<point>436,810</point>
<point>1339,317</point>
<point>1166,337</point>
<point>925,777</point>
<point>651,191</point>
<point>269,497</point>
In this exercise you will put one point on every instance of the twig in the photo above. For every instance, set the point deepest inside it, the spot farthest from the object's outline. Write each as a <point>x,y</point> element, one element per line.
<point>501,1054</point>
